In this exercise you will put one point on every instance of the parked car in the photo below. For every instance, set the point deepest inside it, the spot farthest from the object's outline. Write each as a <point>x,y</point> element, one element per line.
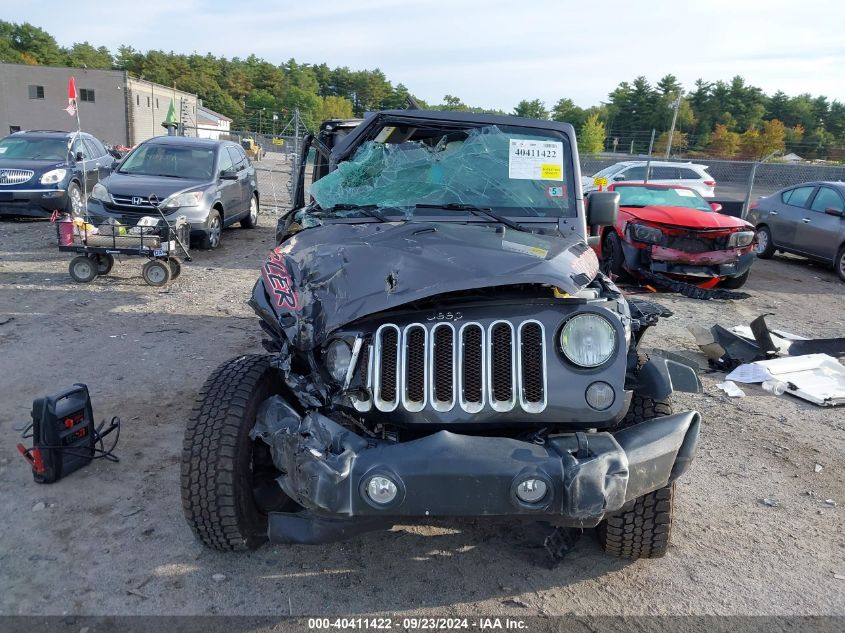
<point>805,219</point>
<point>689,175</point>
<point>673,231</point>
<point>440,343</point>
<point>45,171</point>
<point>212,183</point>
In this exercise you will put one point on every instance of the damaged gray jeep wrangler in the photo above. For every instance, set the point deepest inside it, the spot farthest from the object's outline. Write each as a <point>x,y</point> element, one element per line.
<point>441,344</point>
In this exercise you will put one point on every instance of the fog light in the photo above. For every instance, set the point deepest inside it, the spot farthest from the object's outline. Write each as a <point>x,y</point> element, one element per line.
<point>531,490</point>
<point>381,490</point>
<point>600,395</point>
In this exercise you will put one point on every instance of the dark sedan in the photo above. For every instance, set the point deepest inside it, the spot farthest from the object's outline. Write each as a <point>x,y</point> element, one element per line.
<point>44,171</point>
<point>211,183</point>
<point>806,220</point>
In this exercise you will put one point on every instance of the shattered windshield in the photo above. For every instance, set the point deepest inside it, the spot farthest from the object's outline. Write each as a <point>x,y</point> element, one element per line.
<point>513,171</point>
<point>657,196</point>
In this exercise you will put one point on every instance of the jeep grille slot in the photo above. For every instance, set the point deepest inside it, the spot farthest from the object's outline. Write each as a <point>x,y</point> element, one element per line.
<point>414,367</point>
<point>443,366</point>
<point>501,366</point>
<point>472,367</point>
<point>532,366</point>
<point>364,401</point>
<point>386,388</point>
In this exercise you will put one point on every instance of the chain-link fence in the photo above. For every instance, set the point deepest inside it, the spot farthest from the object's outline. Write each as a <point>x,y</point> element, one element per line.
<point>733,177</point>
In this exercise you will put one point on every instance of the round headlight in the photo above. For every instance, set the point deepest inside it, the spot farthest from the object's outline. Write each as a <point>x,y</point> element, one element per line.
<point>588,340</point>
<point>338,356</point>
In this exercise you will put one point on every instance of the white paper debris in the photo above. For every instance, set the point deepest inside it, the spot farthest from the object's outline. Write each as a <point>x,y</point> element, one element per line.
<point>731,389</point>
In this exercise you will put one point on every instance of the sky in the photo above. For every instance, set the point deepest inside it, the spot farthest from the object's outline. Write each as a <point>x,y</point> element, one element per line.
<point>490,53</point>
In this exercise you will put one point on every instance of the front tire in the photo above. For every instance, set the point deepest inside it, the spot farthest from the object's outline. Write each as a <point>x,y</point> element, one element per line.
<point>765,246</point>
<point>75,204</point>
<point>642,529</point>
<point>213,230</point>
<point>840,263</point>
<point>612,256</point>
<point>732,283</point>
<point>228,480</point>
<point>251,220</point>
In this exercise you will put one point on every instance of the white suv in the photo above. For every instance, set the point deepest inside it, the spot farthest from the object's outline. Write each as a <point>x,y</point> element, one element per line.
<point>661,173</point>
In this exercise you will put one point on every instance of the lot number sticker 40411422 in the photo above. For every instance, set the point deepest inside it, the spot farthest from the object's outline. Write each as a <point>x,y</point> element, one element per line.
<point>535,160</point>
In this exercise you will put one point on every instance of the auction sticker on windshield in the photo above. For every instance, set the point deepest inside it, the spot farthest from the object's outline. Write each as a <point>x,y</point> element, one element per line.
<point>535,160</point>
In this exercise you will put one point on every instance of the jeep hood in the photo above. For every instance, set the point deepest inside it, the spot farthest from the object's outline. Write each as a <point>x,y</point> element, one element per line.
<point>685,217</point>
<point>325,277</point>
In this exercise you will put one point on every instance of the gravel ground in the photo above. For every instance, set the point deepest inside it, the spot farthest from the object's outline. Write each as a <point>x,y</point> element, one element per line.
<point>111,538</point>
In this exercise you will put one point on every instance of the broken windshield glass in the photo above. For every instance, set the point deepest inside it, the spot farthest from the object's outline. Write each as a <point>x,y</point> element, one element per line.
<point>514,171</point>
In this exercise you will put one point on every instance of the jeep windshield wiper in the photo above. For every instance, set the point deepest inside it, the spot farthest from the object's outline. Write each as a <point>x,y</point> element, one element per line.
<point>477,211</point>
<point>370,210</point>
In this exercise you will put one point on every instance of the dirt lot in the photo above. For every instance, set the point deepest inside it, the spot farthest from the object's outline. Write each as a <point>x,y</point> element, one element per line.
<point>111,539</point>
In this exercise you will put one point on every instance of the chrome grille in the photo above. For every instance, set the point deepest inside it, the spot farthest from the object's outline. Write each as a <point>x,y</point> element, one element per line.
<point>501,367</point>
<point>14,176</point>
<point>138,204</point>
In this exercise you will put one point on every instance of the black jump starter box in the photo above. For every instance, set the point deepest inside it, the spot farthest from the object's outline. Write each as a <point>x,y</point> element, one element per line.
<point>63,434</point>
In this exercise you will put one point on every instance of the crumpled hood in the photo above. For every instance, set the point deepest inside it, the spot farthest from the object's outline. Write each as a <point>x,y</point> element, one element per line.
<point>325,277</point>
<point>686,217</point>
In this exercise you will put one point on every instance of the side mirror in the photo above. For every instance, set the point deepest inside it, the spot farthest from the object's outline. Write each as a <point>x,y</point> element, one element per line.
<point>716,207</point>
<point>79,157</point>
<point>602,208</point>
<point>836,212</point>
<point>228,174</point>
<point>618,178</point>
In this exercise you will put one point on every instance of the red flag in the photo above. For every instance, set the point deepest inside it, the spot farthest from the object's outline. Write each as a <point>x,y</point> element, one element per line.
<point>71,96</point>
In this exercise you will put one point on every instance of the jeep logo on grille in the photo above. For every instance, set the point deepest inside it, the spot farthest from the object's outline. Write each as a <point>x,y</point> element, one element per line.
<point>137,201</point>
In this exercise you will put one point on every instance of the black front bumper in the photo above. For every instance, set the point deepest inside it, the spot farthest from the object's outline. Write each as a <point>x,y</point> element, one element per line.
<point>327,469</point>
<point>33,203</point>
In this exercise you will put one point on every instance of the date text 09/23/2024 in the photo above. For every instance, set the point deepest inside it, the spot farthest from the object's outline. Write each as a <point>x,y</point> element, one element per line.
<point>416,624</point>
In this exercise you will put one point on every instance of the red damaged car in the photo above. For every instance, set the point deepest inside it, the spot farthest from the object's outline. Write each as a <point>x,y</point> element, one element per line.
<point>672,231</point>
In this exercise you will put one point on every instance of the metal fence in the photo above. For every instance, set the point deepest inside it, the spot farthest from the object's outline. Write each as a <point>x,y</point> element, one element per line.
<point>732,176</point>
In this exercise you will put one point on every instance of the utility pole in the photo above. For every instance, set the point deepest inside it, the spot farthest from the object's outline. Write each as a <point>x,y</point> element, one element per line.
<point>296,139</point>
<point>648,162</point>
<point>676,106</point>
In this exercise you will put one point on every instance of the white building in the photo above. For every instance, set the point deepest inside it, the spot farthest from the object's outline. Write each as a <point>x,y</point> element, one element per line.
<point>211,124</point>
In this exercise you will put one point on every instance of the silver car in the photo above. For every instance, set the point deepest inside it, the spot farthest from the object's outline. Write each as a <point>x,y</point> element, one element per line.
<point>211,183</point>
<point>806,220</point>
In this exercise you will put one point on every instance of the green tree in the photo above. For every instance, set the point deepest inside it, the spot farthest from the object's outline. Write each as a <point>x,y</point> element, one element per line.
<point>534,109</point>
<point>591,139</point>
<point>723,143</point>
<point>84,54</point>
<point>680,143</point>
<point>566,111</point>
<point>333,107</point>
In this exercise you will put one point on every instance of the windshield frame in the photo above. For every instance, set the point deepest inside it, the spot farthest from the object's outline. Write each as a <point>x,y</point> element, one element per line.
<point>438,128</point>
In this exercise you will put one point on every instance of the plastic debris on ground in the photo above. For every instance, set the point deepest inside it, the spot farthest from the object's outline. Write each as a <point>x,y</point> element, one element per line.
<point>731,389</point>
<point>817,378</point>
<point>772,502</point>
<point>726,349</point>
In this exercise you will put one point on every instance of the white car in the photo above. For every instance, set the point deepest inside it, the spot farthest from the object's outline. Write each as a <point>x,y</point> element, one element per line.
<point>661,173</point>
